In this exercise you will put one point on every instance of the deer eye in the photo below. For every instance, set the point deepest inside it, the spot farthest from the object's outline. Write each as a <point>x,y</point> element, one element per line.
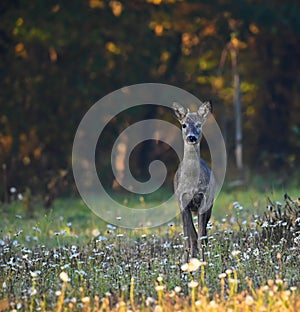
<point>183,126</point>
<point>198,125</point>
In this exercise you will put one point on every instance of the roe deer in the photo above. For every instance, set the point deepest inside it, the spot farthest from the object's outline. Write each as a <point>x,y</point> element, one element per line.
<point>194,181</point>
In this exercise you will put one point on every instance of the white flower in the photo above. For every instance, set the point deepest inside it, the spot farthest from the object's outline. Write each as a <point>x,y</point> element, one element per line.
<point>158,308</point>
<point>249,300</point>
<point>85,299</point>
<point>222,275</point>
<point>185,267</point>
<point>64,276</point>
<point>228,271</point>
<point>198,303</point>
<point>194,265</point>
<point>177,289</point>
<point>213,304</point>
<point>160,287</point>
<point>193,284</point>
<point>256,252</point>
<point>35,273</point>
<point>235,253</point>
<point>95,232</point>
<point>149,301</point>
<point>32,291</point>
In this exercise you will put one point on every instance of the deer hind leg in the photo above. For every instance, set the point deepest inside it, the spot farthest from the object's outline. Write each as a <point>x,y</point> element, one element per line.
<point>202,230</point>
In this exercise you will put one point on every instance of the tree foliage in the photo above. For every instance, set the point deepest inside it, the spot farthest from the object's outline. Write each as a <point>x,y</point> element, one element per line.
<point>59,57</point>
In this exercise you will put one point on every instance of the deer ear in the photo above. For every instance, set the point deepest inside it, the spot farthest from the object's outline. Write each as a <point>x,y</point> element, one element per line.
<point>179,110</point>
<point>205,109</point>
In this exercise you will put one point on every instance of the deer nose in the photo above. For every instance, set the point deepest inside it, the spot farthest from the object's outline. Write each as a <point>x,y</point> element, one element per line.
<point>191,138</point>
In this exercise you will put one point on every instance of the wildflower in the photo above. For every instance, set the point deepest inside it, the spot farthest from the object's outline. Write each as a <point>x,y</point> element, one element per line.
<point>159,279</point>
<point>193,284</point>
<point>249,300</point>
<point>58,293</point>
<point>160,287</point>
<point>270,283</point>
<point>64,277</point>
<point>265,288</point>
<point>198,303</point>
<point>228,271</point>
<point>185,267</point>
<point>256,252</point>
<point>32,291</point>
<point>95,232</point>
<point>120,305</point>
<point>158,308</point>
<point>213,304</point>
<point>235,253</point>
<point>35,274</point>
<point>85,299</point>
<point>110,227</point>
<point>75,255</point>
<point>193,265</point>
<point>279,255</point>
<point>149,301</point>
<point>171,294</point>
<point>177,289</point>
<point>233,281</point>
<point>222,275</point>
<point>285,295</point>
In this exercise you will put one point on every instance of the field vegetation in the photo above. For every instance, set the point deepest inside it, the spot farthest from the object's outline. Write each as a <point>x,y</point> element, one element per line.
<point>67,259</point>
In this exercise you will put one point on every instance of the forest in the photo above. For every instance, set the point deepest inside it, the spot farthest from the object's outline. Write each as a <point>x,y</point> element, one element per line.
<point>59,57</point>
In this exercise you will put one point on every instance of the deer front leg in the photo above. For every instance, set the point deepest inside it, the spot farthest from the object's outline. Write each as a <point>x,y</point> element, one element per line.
<point>190,233</point>
<point>202,230</point>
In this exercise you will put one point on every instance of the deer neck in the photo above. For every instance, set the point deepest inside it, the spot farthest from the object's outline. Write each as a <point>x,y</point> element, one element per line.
<point>190,163</point>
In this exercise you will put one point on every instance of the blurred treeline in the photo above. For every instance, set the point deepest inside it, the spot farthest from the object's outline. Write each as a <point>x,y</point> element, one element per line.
<point>57,58</point>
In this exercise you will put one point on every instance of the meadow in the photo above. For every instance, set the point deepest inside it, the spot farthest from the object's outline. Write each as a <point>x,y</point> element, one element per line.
<point>67,259</point>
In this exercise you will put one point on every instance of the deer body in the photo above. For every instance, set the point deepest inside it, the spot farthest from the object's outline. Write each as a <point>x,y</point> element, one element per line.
<point>194,182</point>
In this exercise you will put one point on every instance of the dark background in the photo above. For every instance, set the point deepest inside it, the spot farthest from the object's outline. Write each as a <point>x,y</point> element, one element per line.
<point>57,58</point>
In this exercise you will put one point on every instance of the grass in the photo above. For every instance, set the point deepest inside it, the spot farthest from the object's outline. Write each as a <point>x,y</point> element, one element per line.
<point>67,259</point>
